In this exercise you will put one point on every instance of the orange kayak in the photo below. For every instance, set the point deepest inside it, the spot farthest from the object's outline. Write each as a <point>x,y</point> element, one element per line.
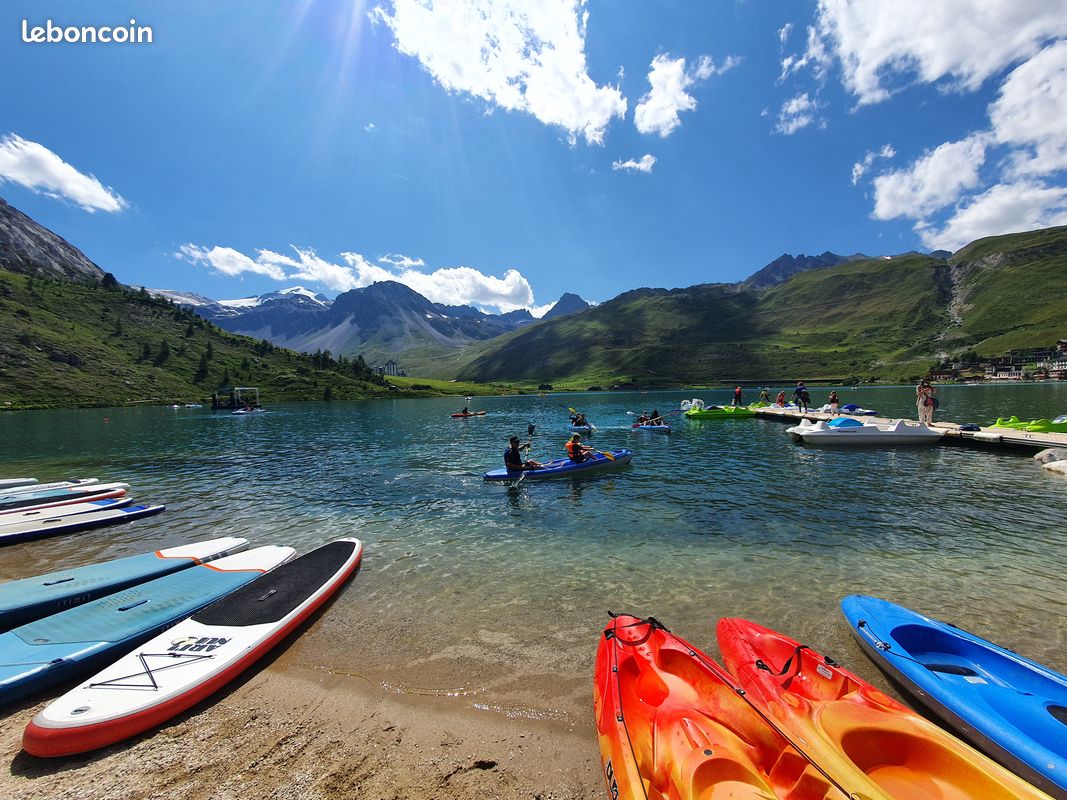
<point>863,738</point>
<point>672,726</point>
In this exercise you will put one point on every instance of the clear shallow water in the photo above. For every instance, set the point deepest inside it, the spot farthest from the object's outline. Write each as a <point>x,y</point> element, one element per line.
<point>496,595</point>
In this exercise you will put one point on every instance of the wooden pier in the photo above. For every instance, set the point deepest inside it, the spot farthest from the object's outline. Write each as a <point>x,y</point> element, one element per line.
<point>996,437</point>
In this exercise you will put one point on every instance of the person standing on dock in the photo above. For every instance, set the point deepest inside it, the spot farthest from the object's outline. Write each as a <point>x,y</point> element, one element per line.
<point>737,396</point>
<point>834,402</point>
<point>801,397</point>
<point>925,401</point>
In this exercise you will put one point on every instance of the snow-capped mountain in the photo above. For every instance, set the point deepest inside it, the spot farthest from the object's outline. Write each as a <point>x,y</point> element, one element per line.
<point>388,316</point>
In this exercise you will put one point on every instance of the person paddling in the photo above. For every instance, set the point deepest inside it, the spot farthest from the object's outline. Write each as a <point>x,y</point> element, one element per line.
<point>655,418</point>
<point>513,460</point>
<point>576,451</point>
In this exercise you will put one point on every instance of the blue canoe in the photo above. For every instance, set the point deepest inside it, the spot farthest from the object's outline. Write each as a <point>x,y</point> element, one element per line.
<point>42,653</point>
<point>28,599</point>
<point>1012,708</point>
<point>563,467</point>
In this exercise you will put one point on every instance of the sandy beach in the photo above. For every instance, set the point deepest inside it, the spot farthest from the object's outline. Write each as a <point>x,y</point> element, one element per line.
<point>290,732</point>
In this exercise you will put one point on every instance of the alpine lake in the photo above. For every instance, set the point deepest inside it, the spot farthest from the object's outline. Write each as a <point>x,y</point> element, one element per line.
<point>494,595</point>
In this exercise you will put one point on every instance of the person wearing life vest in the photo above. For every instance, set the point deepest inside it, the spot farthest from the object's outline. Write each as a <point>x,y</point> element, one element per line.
<point>576,451</point>
<point>780,399</point>
<point>737,396</point>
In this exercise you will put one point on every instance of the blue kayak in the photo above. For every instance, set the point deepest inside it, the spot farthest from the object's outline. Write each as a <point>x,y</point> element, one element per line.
<point>28,599</point>
<point>654,428</point>
<point>42,653</point>
<point>1012,708</point>
<point>562,467</point>
<point>580,428</point>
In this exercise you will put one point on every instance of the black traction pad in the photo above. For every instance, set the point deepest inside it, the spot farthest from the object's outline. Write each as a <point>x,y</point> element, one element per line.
<point>272,596</point>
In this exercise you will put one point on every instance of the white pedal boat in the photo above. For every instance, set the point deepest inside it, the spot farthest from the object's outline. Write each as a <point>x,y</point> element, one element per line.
<point>848,431</point>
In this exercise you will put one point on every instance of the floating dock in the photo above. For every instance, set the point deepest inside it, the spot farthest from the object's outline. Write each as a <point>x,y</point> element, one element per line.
<point>1003,437</point>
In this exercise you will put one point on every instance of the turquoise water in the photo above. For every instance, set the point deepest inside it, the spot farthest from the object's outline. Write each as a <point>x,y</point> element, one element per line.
<point>496,595</point>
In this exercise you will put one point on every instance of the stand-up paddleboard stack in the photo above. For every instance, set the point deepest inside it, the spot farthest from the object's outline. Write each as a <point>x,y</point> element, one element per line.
<point>33,511</point>
<point>192,660</point>
<point>782,722</point>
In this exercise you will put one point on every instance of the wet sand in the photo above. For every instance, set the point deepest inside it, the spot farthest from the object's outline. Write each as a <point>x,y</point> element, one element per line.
<point>290,732</point>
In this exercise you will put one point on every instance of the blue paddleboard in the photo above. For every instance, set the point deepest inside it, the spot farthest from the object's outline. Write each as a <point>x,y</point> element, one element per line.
<point>28,599</point>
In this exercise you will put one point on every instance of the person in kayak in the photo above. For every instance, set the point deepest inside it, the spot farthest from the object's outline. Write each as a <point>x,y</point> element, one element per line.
<point>737,396</point>
<point>466,411</point>
<point>834,402</point>
<point>642,418</point>
<point>513,460</point>
<point>576,451</point>
<point>655,418</point>
<point>579,420</point>
<point>801,396</point>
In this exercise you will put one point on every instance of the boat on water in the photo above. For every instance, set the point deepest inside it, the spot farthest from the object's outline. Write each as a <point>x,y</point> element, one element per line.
<point>848,431</point>
<point>856,411</point>
<point>719,412</point>
<point>1012,708</point>
<point>564,467</point>
<point>469,414</point>
<point>580,428</point>
<point>644,426</point>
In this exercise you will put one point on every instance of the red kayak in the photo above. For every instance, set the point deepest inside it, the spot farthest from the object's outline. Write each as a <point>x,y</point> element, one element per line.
<point>673,725</point>
<point>472,414</point>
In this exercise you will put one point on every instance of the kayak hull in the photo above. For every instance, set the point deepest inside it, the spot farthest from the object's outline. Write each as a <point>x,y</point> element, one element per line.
<point>652,428</point>
<point>863,738</point>
<point>472,414</point>
<point>998,700</point>
<point>564,467</point>
<point>672,724</point>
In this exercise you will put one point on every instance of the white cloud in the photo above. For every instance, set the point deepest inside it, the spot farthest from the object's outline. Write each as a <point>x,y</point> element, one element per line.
<point>229,261</point>
<point>521,55</point>
<point>644,165</point>
<point>1005,208</point>
<point>935,180</point>
<point>796,113</point>
<point>450,285</point>
<point>657,111</point>
<point>368,127</point>
<point>398,260</point>
<point>860,168</point>
<point>37,168</point>
<point>783,33</point>
<point>882,46</point>
<point>1031,113</point>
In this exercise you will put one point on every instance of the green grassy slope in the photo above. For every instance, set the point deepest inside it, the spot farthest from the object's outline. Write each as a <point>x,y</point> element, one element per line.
<point>67,344</point>
<point>1013,291</point>
<point>881,319</point>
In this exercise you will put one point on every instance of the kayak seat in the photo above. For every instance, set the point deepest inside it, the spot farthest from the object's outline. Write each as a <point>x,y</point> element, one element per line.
<point>951,669</point>
<point>1059,713</point>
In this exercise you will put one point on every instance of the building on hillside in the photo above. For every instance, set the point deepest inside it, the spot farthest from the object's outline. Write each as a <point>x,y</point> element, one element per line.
<point>1061,345</point>
<point>944,374</point>
<point>1007,372</point>
<point>1055,368</point>
<point>390,367</point>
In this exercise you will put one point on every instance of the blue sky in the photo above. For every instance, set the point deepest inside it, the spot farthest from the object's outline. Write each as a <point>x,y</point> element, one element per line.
<point>468,148</point>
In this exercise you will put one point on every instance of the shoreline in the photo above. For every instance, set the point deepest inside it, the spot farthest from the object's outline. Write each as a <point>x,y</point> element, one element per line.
<point>294,732</point>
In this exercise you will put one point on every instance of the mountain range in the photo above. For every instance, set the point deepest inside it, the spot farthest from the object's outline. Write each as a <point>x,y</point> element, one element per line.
<point>378,321</point>
<point>824,316</point>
